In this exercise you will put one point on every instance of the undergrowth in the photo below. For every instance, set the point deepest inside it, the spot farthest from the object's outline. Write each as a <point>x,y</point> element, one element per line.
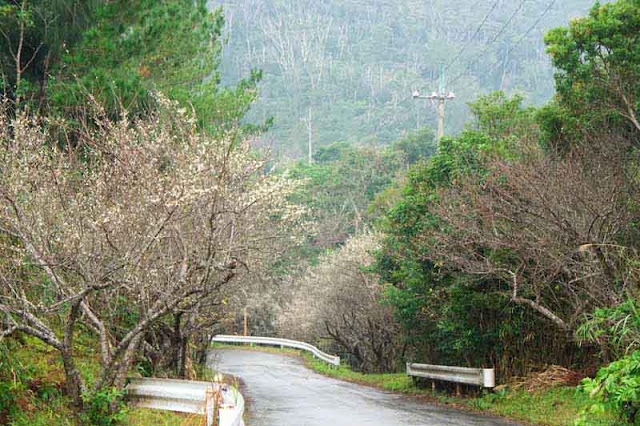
<point>32,390</point>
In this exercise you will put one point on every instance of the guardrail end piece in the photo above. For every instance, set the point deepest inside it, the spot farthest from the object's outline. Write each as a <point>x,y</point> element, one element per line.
<point>488,378</point>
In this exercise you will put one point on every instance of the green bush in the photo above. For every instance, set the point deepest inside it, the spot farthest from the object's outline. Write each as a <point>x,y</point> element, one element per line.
<point>13,376</point>
<point>104,408</point>
<point>616,389</point>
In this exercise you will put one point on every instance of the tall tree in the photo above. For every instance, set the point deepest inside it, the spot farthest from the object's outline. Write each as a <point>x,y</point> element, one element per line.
<point>134,48</point>
<point>598,62</point>
<point>35,34</point>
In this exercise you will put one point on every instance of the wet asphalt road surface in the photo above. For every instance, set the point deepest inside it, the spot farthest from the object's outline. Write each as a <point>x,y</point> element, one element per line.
<point>281,391</point>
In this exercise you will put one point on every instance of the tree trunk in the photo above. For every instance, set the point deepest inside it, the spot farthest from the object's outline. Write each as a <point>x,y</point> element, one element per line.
<point>182,357</point>
<point>127,361</point>
<point>74,383</point>
<point>203,347</point>
<point>180,347</point>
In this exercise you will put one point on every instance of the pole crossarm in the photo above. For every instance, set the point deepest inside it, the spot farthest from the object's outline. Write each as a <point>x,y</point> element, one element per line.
<point>442,96</point>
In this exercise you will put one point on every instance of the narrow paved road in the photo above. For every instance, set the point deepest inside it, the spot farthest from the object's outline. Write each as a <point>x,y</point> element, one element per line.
<point>281,391</point>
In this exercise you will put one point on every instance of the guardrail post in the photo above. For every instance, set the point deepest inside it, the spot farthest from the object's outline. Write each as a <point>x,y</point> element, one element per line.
<point>210,407</point>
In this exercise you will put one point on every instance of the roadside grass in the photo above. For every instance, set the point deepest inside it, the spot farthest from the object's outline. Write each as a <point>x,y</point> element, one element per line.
<point>145,416</point>
<point>36,380</point>
<point>556,406</point>
<point>33,386</point>
<point>396,382</point>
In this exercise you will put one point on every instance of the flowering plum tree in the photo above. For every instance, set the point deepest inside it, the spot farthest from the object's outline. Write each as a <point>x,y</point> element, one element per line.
<point>127,223</point>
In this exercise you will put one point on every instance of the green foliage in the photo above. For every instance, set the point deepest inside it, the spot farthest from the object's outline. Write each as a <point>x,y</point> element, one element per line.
<point>104,407</point>
<point>501,117</point>
<point>74,53</point>
<point>616,389</point>
<point>137,47</point>
<point>17,24</point>
<point>31,385</point>
<point>339,185</point>
<point>558,128</point>
<point>416,146</point>
<point>598,62</point>
<point>618,326</point>
<point>134,47</point>
<point>416,283</point>
<point>13,378</point>
<point>452,317</point>
<point>44,29</point>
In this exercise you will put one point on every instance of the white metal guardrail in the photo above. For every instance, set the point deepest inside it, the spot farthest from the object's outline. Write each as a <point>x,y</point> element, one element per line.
<point>187,396</point>
<point>331,359</point>
<point>484,377</point>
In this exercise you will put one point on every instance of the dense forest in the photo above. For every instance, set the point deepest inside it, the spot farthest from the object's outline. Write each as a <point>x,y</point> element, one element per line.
<point>157,188</point>
<point>345,70</point>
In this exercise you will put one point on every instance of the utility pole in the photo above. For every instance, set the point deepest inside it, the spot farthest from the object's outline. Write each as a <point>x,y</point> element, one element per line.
<point>442,95</point>
<point>310,136</point>
<point>244,323</point>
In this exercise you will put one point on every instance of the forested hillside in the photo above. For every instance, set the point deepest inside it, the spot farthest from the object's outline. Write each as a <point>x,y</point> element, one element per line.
<point>140,214</point>
<point>344,70</point>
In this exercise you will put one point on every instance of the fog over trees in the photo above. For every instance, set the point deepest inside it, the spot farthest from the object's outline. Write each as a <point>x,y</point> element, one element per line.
<point>345,70</point>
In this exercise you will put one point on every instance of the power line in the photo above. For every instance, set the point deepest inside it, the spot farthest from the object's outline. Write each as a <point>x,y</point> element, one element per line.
<point>504,27</point>
<point>516,44</point>
<point>464,47</point>
<point>493,40</point>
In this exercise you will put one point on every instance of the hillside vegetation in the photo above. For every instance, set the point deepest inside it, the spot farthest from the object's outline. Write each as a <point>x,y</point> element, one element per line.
<point>141,210</point>
<point>344,70</point>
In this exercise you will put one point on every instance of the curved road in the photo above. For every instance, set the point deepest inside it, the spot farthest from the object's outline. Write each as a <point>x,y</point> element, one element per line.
<point>280,390</point>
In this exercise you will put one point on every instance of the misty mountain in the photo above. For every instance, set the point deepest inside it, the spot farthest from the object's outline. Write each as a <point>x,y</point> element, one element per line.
<point>345,70</point>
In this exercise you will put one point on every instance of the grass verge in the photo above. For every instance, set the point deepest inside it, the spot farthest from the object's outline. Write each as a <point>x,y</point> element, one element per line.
<point>32,384</point>
<point>144,416</point>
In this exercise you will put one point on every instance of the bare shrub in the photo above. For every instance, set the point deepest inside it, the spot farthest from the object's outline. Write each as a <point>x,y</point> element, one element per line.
<point>339,300</point>
<point>558,231</point>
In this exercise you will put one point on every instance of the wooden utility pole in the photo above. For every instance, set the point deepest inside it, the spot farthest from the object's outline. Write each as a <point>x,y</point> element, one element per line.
<point>442,95</point>
<point>244,323</point>
<point>309,137</point>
